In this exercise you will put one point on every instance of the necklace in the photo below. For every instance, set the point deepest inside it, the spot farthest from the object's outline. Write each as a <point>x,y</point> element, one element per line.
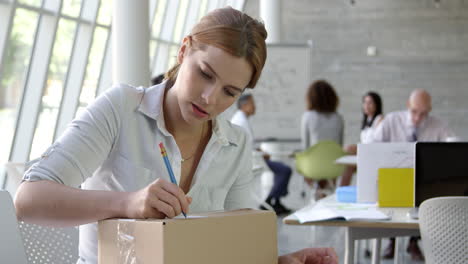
<point>194,152</point>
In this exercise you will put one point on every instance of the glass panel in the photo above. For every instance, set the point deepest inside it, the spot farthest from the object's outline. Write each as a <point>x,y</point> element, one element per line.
<point>158,17</point>
<point>36,3</point>
<point>12,82</point>
<point>202,10</point>
<point>180,20</point>
<point>172,57</point>
<point>153,47</point>
<point>93,69</point>
<point>52,5</point>
<point>71,7</point>
<point>52,97</point>
<point>105,12</point>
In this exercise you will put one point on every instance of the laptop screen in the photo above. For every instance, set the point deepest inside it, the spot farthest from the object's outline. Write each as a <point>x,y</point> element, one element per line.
<point>441,169</point>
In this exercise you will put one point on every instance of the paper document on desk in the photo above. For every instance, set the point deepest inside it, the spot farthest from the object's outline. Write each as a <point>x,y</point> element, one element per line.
<point>340,211</point>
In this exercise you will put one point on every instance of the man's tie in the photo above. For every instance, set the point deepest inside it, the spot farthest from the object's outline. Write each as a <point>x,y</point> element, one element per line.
<point>414,135</point>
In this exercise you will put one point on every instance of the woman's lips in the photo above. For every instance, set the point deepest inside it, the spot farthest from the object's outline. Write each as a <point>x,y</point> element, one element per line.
<point>200,112</point>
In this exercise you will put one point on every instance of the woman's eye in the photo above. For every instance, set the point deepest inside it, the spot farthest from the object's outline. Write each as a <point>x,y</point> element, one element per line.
<point>228,92</point>
<point>205,75</point>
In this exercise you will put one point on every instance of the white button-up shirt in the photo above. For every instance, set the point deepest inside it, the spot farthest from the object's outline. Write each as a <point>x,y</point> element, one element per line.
<point>258,162</point>
<point>398,127</point>
<point>240,118</point>
<point>113,145</point>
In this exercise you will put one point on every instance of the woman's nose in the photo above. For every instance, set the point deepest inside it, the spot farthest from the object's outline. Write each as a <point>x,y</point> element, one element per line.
<point>210,94</point>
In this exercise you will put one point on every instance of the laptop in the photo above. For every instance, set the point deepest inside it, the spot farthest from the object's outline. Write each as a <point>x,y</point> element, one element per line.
<point>441,169</point>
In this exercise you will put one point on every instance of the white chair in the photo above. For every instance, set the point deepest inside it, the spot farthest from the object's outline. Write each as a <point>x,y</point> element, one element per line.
<point>50,245</point>
<point>258,188</point>
<point>42,244</point>
<point>443,224</point>
<point>11,246</point>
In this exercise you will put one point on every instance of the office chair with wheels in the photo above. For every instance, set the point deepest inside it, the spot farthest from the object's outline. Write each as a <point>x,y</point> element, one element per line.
<point>317,164</point>
<point>443,224</point>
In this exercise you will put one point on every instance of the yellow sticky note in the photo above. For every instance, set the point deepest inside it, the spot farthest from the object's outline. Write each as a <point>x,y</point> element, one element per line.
<point>396,187</point>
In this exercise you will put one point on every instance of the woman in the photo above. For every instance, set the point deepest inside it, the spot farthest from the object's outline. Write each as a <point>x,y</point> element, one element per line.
<point>321,121</point>
<point>111,149</point>
<point>372,117</point>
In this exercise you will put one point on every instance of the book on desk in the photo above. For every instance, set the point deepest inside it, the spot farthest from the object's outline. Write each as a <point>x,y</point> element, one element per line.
<point>340,211</point>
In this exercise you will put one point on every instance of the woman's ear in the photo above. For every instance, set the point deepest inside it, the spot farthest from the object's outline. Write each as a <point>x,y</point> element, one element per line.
<point>183,49</point>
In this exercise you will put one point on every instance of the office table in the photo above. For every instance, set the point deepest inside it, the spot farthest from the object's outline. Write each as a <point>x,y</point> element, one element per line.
<point>347,160</point>
<point>399,225</point>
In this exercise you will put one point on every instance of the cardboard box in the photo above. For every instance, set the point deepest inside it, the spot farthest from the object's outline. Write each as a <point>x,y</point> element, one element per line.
<point>240,236</point>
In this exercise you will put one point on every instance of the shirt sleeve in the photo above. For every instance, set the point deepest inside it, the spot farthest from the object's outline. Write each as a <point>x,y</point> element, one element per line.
<point>446,134</point>
<point>84,145</point>
<point>240,194</point>
<point>381,133</point>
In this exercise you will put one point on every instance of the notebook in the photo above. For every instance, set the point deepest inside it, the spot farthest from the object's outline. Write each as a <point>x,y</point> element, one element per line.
<point>340,211</point>
<point>396,187</point>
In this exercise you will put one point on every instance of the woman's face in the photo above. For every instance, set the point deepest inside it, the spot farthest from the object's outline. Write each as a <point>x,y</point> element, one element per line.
<point>368,106</point>
<point>209,81</point>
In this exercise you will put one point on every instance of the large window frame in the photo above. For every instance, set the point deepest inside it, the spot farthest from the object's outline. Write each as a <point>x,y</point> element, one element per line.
<point>180,14</point>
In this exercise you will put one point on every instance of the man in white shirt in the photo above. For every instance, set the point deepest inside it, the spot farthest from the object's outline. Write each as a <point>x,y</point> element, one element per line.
<point>414,124</point>
<point>282,172</point>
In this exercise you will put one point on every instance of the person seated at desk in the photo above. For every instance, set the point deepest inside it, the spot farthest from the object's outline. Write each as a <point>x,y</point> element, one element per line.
<point>372,117</point>
<point>107,163</point>
<point>282,173</point>
<point>321,121</point>
<point>411,125</point>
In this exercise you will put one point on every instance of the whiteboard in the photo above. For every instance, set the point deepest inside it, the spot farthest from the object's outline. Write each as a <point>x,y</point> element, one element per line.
<point>280,92</point>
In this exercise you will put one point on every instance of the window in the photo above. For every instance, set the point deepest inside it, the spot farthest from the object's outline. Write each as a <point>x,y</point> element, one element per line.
<point>55,58</point>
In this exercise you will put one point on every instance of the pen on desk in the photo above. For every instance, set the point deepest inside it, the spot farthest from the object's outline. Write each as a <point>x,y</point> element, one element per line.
<point>168,166</point>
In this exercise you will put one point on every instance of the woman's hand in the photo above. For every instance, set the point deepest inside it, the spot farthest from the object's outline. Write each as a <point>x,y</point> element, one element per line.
<point>310,256</point>
<point>157,200</point>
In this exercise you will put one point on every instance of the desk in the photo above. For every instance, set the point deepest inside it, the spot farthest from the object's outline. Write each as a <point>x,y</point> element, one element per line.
<point>347,160</point>
<point>399,225</point>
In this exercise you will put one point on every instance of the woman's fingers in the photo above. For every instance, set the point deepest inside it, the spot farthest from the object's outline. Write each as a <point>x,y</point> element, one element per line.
<point>169,199</point>
<point>178,193</point>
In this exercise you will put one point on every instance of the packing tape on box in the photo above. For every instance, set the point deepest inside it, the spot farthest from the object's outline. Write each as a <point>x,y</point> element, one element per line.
<point>126,243</point>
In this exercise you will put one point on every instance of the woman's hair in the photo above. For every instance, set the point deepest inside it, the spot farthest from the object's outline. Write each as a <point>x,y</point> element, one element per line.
<point>234,32</point>
<point>378,109</point>
<point>321,97</point>
<point>243,99</point>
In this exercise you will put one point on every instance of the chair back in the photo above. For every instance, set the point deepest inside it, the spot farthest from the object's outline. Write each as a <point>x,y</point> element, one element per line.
<point>15,171</point>
<point>42,244</point>
<point>11,245</point>
<point>443,224</point>
<point>318,161</point>
<point>50,244</point>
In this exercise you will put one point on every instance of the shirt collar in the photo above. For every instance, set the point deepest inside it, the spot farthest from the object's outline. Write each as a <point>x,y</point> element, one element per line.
<point>152,101</point>
<point>151,105</point>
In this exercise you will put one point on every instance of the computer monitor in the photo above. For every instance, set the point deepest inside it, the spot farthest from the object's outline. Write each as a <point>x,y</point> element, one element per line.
<point>441,169</point>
